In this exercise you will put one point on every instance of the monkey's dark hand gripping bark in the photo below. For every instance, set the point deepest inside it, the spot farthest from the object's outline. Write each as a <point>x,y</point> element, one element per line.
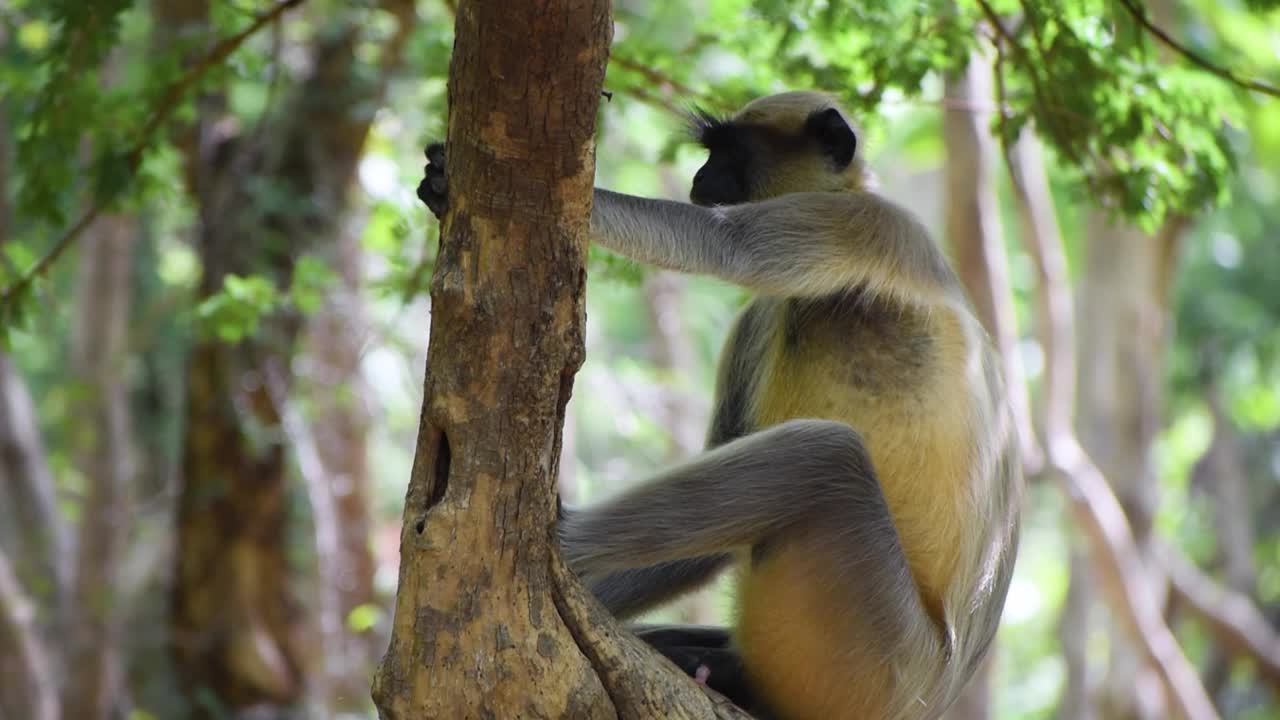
<point>434,188</point>
<point>861,474</point>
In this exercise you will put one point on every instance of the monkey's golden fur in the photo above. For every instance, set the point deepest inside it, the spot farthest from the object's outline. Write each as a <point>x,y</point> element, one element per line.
<point>935,430</point>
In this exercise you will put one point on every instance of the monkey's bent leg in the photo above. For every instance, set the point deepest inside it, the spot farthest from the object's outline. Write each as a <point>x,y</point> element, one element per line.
<point>803,497</point>
<point>671,635</point>
<point>630,592</point>
<point>733,497</point>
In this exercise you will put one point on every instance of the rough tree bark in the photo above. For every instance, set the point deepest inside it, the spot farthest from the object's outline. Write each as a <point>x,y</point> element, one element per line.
<point>488,622</point>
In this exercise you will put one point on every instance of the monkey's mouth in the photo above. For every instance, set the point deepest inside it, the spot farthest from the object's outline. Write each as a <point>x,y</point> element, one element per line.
<point>710,198</point>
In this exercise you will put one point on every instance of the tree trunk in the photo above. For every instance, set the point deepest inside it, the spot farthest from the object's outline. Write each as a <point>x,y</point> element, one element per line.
<point>27,681</point>
<point>235,624</point>
<point>488,622</point>
<point>975,237</point>
<point>340,422</point>
<point>974,232</point>
<point>103,454</point>
<point>31,529</point>
<point>1123,297</point>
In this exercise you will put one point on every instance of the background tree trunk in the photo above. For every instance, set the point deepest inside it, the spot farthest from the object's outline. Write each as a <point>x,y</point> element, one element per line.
<point>1123,303</point>
<point>104,458</point>
<point>974,236</point>
<point>236,626</point>
<point>339,422</point>
<point>28,687</point>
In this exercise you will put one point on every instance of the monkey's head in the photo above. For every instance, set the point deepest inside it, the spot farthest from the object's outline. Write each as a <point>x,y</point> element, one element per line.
<point>786,143</point>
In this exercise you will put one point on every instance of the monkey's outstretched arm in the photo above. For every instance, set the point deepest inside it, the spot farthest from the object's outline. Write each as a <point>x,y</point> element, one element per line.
<point>802,244</point>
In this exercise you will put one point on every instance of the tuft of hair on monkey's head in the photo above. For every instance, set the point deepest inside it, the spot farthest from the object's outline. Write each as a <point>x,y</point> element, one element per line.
<point>790,142</point>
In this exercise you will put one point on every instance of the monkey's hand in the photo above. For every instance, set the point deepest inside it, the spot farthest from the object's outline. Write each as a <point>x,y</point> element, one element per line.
<point>434,188</point>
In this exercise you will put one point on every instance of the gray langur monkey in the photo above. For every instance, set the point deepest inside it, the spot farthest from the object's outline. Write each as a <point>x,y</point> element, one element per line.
<point>861,473</point>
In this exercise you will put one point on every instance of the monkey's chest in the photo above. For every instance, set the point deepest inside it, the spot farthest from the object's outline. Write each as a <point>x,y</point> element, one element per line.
<point>891,388</point>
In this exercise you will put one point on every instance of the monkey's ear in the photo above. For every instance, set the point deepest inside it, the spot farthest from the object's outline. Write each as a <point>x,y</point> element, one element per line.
<point>834,135</point>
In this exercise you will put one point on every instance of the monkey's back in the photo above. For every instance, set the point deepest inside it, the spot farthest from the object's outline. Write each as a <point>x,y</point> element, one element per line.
<point>889,372</point>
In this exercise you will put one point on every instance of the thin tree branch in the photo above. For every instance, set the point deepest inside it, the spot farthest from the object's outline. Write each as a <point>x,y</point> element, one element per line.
<point>1231,616</point>
<point>29,661</point>
<point>659,78</point>
<point>324,520</point>
<point>1033,74</point>
<point>163,110</point>
<point>1140,14</point>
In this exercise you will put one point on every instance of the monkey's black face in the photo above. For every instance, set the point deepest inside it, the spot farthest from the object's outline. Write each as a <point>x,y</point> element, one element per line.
<point>725,178</point>
<point>722,180</point>
<point>752,161</point>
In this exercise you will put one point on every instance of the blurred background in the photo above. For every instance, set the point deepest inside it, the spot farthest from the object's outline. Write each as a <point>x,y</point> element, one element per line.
<point>215,279</point>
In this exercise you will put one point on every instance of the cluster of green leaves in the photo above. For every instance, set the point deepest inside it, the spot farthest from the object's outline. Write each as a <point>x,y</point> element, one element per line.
<point>1143,133</point>
<point>237,310</point>
<point>55,79</point>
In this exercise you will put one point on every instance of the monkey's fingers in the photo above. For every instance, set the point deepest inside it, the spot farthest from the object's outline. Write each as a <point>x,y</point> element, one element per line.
<point>434,191</point>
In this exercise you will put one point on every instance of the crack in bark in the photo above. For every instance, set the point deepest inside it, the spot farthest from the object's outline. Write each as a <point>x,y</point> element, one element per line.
<point>585,646</point>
